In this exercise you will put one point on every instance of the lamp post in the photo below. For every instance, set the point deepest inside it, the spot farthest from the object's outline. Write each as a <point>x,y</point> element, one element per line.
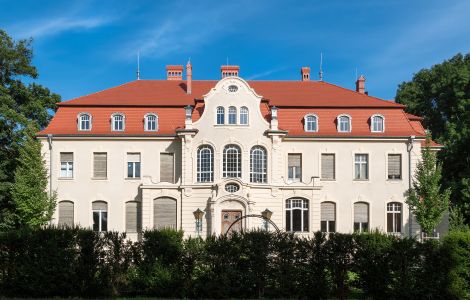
<point>198,214</point>
<point>267,216</point>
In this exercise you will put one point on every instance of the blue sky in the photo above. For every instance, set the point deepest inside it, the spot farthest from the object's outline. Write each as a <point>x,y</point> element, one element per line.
<point>85,46</point>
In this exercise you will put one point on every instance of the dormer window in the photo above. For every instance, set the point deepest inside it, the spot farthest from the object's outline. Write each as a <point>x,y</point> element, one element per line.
<point>232,115</point>
<point>151,122</point>
<point>344,123</point>
<point>117,122</point>
<point>220,115</point>
<point>84,122</point>
<point>377,123</point>
<point>311,123</point>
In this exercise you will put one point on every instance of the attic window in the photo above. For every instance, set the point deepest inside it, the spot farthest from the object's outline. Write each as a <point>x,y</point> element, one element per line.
<point>232,88</point>
<point>232,187</point>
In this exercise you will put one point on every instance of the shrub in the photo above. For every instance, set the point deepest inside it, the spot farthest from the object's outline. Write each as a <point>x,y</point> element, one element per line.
<point>457,248</point>
<point>340,250</point>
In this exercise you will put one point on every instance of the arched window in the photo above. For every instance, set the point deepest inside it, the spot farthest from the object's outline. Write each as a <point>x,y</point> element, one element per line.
<point>243,115</point>
<point>66,213</point>
<point>205,164</point>
<point>344,123</point>
<point>232,115</point>
<point>84,122</point>
<point>133,216</point>
<point>220,115</point>
<point>394,217</point>
<point>297,214</point>
<point>328,217</point>
<point>311,123</point>
<point>377,123</point>
<point>361,217</point>
<point>258,164</point>
<point>117,122</point>
<point>232,161</point>
<point>164,213</point>
<point>151,122</point>
<point>100,215</point>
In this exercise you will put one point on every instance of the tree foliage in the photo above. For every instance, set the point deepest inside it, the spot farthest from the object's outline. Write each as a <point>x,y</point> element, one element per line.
<point>441,95</point>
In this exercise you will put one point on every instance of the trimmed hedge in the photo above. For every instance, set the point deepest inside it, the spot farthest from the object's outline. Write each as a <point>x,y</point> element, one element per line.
<point>73,262</point>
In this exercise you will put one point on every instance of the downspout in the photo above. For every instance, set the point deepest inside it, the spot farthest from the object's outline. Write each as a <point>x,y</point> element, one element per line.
<point>49,140</point>
<point>410,176</point>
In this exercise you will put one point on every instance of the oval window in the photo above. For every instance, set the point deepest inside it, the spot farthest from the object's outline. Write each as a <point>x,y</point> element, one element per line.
<point>232,88</point>
<point>232,187</point>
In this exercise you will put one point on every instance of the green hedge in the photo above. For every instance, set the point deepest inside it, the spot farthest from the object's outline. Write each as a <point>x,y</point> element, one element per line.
<point>73,262</point>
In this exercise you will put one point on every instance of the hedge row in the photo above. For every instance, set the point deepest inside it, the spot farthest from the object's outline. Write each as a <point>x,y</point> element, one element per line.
<point>79,262</point>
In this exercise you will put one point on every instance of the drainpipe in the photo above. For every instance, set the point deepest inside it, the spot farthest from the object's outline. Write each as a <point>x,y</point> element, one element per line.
<point>410,176</point>
<point>49,140</point>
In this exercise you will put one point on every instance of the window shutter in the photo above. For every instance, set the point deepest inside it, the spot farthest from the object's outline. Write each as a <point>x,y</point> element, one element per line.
<point>361,212</point>
<point>327,211</point>
<point>294,160</point>
<point>100,205</point>
<point>133,157</point>
<point>100,165</point>
<point>328,166</point>
<point>133,220</point>
<point>167,167</point>
<point>394,166</point>
<point>164,213</point>
<point>66,156</point>
<point>66,213</point>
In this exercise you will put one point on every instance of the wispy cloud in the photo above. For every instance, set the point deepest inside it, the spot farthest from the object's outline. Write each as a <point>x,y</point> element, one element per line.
<point>265,73</point>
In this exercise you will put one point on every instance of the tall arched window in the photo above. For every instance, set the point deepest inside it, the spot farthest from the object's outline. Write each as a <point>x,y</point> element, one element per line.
<point>164,213</point>
<point>258,164</point>
<point>66,213</point>
<point>151,122</point>
<point>220,115</point>
<point>205,164</point>
<point>84,122</point>
<point>377,123</point>
<point>232,161</point>
<point>361,217</point>
<point>394,217</point>
<point>232,115</point>
<point>328,217</point>
<point>297,214</point>
<point>311,123</point>
<point>117,122</point>
<point>344,123</point>
<point>243,115</point>
<point>100,215</point>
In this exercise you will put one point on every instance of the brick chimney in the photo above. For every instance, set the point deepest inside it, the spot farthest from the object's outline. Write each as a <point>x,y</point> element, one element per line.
<point>229,71</point>
<point>189,77</point>
<point>174,72</point>
<point>305,72</point>
<point>361,85</point>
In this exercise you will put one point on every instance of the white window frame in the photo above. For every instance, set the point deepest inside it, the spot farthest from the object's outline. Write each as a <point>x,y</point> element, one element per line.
<point>306,122</point>
<point>220,111</point>
<point>69,167</point>
<point>260,160</point>
<point>338,122</point>
<point>79,122</point>
<point>203,173</point>
<point>304,206</point>
<point>232,112</point>
<point>328,229</point>
<point>133,166</point>
<point>238,163</point>
<point>367,163</point>
<point>113,121</point>
<point>100,214</point>
<point>387,163</point>
<point>372,118</point>
<point>146,122</point>
<point>294,179</point>
<point>392,210</point>
<point>246,113</point>
<point>335,155</point>
<point>361,224</point>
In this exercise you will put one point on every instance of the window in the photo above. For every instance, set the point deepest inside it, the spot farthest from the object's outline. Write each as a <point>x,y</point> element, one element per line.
<point>394,166</point>
<point>232,161</point>
<point>328,217</point>
<point>164,213</point>
<point>297,214</point>
<point>361,167</point>
<point>232,115</point>
<point>66,164</point>
<point>377,123</point>
<point>258,164</point>
<point>328,166</point>
<point>232,187</point>
<point>294,167</point>
<point>205,164</point>
<point>394,217</point>
<point>361,217</point>
<point>151,122</point>
<point>100,165</point>
<point>232,88</point>
<point>344,123</point>
<point>117,122</point>
<point>167,167</point>
<point>243,115</point>
<point>220,115</point>
<point>84,122</point>
<point>133,165</point>
<point>133,219</point>
<point>100,216</point>
<point>310,123</point>
<point>66,213</point>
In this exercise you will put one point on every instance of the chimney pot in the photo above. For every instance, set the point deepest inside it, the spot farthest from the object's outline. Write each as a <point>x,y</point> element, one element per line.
<point>305,72</point>
<point>361,84</point>
<point>189,77</point>
<point>227,71</point>
<point>174,72</point>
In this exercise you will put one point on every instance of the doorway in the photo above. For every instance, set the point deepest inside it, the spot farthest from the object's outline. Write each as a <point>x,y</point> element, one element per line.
<point>228,217</point>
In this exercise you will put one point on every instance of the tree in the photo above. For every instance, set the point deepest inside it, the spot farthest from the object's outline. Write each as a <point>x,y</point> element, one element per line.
<point>441,95</point>
<point>20,106</point>
<point>425,198</point>
<point>33,205</point>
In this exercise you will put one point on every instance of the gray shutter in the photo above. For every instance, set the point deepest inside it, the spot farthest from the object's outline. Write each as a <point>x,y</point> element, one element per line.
<point>66,156</point>
<point>66,213</point>
<point>100,205</point>
<point>167,167</point>
<point>164,213</point>
<point>328,211</point>
<point>100,165</point>
<point>294,160</point>
<point>394,165</point>
<point>361,212</point>
<point>328,166</point>
<point>133,219</point>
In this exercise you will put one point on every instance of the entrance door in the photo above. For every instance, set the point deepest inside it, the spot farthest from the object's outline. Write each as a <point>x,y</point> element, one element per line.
<point>230,216</point>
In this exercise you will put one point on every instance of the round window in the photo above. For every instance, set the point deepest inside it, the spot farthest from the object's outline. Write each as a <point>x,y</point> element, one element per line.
<point>232,88</point>
<point>232,187</point>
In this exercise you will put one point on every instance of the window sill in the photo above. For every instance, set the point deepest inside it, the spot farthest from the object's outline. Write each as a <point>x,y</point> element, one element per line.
<point>328,180</point>
<point>394,181</point>
<point>66,178</point>
<point>99,178</point>
<point>361,180</point>
<point>231,125</point>
<point>132,178</point>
